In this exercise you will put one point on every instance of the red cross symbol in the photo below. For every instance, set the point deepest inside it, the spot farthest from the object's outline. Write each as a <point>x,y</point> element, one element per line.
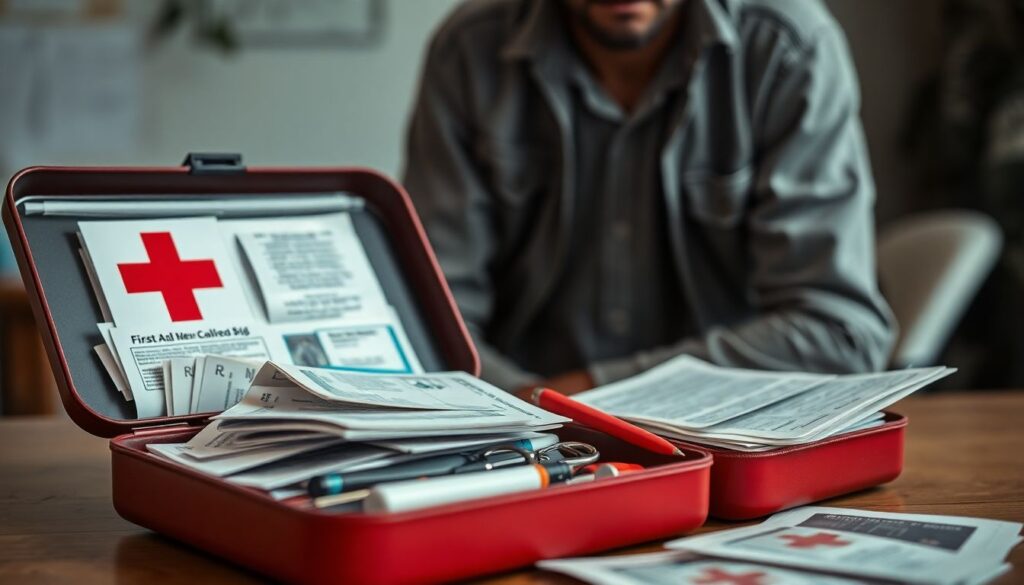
<point>714,575</point>
<point>169,275</point>
<point>819,539</point>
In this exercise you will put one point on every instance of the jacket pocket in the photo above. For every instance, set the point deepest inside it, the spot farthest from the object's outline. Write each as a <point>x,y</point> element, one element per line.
<point>716,199</point>
<point>516,173</point>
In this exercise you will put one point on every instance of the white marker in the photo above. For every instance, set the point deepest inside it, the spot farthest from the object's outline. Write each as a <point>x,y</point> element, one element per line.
<point>417,494</point>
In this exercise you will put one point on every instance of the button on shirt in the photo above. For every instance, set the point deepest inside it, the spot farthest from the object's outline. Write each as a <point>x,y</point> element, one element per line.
<point>620,291</point>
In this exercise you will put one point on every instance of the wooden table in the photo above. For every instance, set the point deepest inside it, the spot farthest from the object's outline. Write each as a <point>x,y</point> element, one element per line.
<point>26,381</point>
<point>965,455</point>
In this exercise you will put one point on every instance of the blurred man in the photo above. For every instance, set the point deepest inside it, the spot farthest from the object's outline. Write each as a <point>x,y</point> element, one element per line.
<point>609,184</point>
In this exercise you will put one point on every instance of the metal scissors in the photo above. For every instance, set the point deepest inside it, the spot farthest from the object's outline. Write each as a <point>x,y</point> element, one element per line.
<point>572,453</point>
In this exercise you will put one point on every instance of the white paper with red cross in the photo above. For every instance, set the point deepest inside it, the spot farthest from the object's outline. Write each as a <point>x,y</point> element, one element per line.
<point>683,568</point>
<point>166,271</point>
<point>914,548</point>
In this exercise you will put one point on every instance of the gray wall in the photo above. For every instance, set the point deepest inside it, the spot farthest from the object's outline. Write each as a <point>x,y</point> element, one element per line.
<point>895,45</point>
<point>284,106</point>
<point>349,106</point>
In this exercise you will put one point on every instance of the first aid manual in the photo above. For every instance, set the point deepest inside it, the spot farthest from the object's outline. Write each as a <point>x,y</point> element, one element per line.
<point>193,306</point>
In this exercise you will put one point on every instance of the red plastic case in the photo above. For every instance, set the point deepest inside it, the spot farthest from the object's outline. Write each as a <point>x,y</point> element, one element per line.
<point>282,539</point>
<point>750,485</point>
<point>450,542</point>
<point>426,546</point>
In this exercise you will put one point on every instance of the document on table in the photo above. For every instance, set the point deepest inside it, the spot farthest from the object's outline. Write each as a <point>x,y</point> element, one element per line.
<point>916,548</point>
<point>678,567</point>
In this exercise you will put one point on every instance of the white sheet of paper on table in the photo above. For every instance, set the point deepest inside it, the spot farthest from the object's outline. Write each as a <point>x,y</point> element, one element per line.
<point>919,548</point>
<point>671,567</point>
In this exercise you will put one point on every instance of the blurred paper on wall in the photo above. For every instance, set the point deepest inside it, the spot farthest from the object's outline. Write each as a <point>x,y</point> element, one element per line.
<point>45,7</point>
<point>89,88</point>
<point>18,64</point>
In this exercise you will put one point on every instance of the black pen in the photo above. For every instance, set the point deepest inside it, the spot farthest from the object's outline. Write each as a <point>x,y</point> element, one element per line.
<point>429,466</point>
<point>336,483</point>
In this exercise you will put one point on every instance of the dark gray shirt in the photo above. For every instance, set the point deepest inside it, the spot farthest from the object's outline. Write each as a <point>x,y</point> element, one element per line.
<point>619,292</point>
<point>728,217</point>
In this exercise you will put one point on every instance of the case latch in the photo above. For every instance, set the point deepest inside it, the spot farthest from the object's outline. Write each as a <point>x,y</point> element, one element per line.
<point>213,163</point>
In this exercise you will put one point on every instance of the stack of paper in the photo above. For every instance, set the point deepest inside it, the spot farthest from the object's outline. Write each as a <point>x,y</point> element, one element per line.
<point>826,546</point>
<point>294,290</point>
<point>748,410</point>
<point>297,422</point>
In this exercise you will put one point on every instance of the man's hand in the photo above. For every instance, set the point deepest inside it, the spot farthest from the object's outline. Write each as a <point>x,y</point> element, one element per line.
<point>568,383</point>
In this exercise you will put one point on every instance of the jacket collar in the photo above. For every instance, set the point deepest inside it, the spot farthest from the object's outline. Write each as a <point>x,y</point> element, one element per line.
<point>707,24</point>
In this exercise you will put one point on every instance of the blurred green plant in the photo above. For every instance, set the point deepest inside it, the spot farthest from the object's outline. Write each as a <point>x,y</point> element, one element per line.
<point>215,31</point>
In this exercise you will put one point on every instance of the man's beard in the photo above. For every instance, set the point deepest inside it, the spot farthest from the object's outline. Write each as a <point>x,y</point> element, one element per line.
<point>623,42</point>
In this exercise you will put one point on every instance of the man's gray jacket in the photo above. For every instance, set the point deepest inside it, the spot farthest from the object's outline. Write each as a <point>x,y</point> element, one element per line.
<point>764,173</point>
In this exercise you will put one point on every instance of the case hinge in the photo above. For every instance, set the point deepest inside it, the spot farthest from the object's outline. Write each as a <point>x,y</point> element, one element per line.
<point>213,163</point>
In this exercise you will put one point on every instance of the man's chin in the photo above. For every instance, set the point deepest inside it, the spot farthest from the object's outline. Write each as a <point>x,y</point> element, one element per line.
<point>620,40</point>
<point>625,36</point>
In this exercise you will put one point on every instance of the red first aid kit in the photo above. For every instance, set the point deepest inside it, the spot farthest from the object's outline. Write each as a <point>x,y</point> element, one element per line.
<point>751,485</point>
<point>291,541</point>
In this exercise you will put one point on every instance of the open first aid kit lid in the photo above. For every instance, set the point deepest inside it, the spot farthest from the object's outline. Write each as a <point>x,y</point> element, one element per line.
<point>134,272</point>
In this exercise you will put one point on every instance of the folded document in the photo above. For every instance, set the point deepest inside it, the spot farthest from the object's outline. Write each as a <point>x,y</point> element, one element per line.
<point>748,410</point>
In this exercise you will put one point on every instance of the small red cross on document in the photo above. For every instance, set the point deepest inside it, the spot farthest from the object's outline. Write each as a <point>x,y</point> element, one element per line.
<point>814,540</point>
<point>169,275</point>
<point>716,576</point>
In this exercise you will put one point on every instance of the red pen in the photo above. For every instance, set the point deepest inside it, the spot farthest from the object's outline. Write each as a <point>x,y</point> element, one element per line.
<point>589,416</point>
